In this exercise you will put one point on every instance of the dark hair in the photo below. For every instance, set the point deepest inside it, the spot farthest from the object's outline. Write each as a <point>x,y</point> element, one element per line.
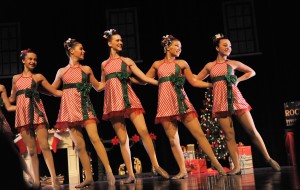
<point>107,34</point>
<point>70,43</point>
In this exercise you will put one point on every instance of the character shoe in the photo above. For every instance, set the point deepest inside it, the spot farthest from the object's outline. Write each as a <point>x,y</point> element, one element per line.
<point>110,178</point>
<point>85,184</point>
<point>130,179</point>
<point>180,176</point>
<point>162,172</point>
<point>56,185</point>
<point>274,165</point>
<point>239,172</point>
<point>221,172</point>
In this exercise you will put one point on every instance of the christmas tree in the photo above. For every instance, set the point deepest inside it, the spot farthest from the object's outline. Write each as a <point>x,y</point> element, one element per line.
<point>211,129</point>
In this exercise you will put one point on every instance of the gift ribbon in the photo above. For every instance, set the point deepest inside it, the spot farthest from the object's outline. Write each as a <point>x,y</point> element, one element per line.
<point>178,82</point>
<point>123,77</point>
<point>84,90</point>
<point>230,80</point>
<point>34,97</point>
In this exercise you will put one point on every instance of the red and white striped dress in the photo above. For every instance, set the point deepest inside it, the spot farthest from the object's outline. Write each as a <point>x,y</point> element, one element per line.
<point>4,125</point>
<point>71,110</point>
<point>22,114</point>
<point>114,105</point>
<point>167,107</point>
<point>220,103</point>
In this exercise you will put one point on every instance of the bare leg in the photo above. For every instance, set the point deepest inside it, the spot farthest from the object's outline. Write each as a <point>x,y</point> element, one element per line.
<point>120,129</point>
<point>171,130</point>
<point>42,135</point>
<point>227,128</point>
<point>26,169</point>
<point>30,142</point>
<point>140,125</point>
<point>78,139</point>
<point>194,127</point>
<point>100,149</point>
<point>247,121</point>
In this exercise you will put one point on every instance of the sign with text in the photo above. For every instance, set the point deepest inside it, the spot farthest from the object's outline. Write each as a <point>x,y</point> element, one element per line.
<point>292,113</point>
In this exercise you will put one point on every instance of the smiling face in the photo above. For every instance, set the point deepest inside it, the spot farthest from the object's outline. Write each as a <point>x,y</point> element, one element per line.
<point>175,48</point>
<point>77,52</point>
<point>116,43</point>
<point>224,47</point>
<point>30,61</point>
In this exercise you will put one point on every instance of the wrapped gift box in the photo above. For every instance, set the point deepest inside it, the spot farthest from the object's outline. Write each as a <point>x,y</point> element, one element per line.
<point>245,150</point>
<point>247,171</point>
<point>246,162</point>
<point>245,155</point>
<point>196,166</point>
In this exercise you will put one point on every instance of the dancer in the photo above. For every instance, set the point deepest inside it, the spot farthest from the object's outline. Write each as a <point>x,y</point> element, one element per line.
<point>4,101</point>
<point>30,119</point>
<point>6,130</point>
<point>228,100</point>
<point>174,105</point>
<point>120,101</point>
<point>76,110</point>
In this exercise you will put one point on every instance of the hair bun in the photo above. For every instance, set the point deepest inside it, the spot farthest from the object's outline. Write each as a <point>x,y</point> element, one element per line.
<point>108,33</point>
<point>218,36</point>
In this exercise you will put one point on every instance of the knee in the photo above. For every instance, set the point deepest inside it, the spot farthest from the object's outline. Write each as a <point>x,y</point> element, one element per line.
<point>229,136</point>
<point>44,147</point>
<point>95,140</point>
<point>251,133</point>
<point>79,147</point>
<point>32,151</point>
<point>143,133</point>
<point>173,141</point>
<point>123,141</point>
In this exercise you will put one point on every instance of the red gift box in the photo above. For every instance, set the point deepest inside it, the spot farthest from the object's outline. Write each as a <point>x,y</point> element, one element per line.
<point>244,150</point>
<point>196,166</point>
<point>245,157</point>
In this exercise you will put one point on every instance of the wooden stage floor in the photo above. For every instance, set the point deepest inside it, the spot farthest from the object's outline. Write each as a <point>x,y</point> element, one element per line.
<point>261,179</point>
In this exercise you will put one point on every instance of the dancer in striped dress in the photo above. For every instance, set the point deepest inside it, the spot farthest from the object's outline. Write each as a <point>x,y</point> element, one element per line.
<point>6,130</point>
<point>228,100</point>
<point>4,126</point>
<point>76,110</point>
<point>120,101</point>
<point>174,105</point>
<point>30,119</point>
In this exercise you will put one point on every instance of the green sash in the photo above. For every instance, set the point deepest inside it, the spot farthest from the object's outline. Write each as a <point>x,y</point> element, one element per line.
<point>178,82</point>
<point>34,97</point>
<point>123,76</point>
<point>230,79</point>
<point>84,90</point>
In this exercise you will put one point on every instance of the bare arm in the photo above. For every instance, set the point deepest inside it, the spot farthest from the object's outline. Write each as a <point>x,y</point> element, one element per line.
<point>47,86</point>
<point>103,82</point>
<point>239,66</point>
<point>138,73</point>
<point>5,99</point>
<point>204,73</point>
<point>12,97</point>
<point>98,86</point>
<point>57,81</point>
<point>190,77</point>
<point>152,71</point>
<point>136,80</point>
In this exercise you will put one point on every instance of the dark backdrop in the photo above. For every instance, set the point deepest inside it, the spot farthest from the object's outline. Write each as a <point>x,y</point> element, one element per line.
<point>45,25</point>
